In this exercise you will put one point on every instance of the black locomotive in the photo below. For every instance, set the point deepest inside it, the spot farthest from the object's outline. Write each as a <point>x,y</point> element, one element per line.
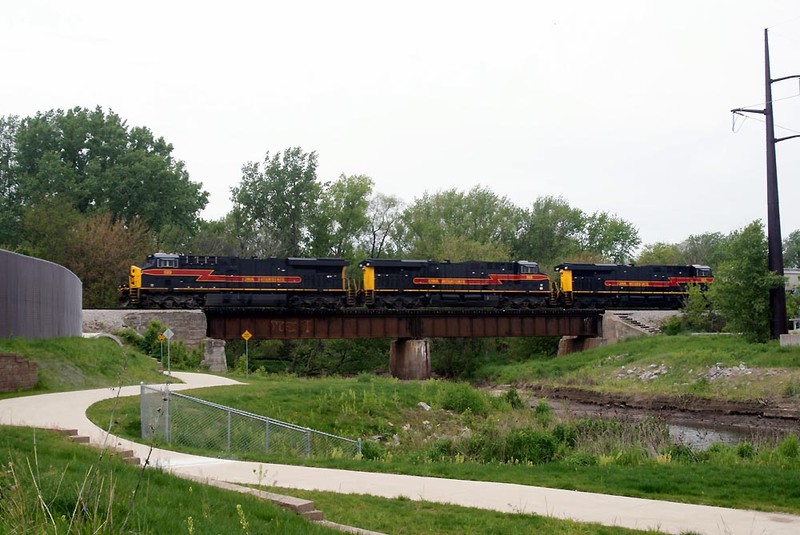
<point>628,287</point>
<point>422,283</point>
<point>191,281</point>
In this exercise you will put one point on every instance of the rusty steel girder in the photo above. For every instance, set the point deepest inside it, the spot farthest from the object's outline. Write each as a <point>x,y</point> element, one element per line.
<point>229,324</point>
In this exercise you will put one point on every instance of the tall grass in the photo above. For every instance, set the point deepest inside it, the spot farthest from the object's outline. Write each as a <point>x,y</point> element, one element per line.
<point>50,485</point>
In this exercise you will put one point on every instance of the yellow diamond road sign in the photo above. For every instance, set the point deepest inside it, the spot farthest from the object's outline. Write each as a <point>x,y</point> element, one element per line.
<point>246,335</point>
<point>161,337</point>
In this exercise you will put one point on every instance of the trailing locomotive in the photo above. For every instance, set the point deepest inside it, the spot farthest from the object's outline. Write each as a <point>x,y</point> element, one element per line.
<point>179,281</point>
<point>189,281</point>
<point>628,287</point>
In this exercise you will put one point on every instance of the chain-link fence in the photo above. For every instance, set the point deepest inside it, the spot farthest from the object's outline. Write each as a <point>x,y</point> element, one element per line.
<point>186,421</point>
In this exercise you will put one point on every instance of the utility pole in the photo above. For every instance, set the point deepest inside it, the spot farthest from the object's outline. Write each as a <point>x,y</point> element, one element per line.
<point>777,296</point>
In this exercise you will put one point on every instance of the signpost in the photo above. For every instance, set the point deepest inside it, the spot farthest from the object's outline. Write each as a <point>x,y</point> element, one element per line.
<point>246,335</point>
<point>161,343</point>
<point>168,334</point>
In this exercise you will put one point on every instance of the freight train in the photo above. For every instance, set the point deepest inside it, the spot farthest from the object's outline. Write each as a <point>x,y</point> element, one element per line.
<point>191,281</point>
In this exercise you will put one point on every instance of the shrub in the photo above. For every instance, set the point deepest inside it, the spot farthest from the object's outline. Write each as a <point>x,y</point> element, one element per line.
<point>683,453</point>
<point>460,397</point>
<point>633,456</point>
<point>565,434</point>
<point>746,450</point>
<point>371,450</point>
<point>527,445</point>
<point>789,447</point>
<point>511,396</point>
<point>672,326</point>
<point>543,413</point>
<point>440,450</point>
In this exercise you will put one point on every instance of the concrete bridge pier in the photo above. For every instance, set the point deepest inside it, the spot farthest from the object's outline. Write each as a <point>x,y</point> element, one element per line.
<point>410,359</point>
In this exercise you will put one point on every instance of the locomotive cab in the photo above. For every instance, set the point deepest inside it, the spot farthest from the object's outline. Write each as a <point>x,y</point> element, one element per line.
<point>165,260</point>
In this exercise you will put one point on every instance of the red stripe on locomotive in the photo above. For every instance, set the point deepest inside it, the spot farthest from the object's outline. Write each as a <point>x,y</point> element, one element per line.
<point>206,275</point>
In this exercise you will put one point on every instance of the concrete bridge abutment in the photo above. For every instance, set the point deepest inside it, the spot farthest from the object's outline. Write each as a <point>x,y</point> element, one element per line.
<point>410,359</point>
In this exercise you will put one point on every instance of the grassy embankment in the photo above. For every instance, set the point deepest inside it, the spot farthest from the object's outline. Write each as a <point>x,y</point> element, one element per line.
<point>470,435</point>
<point>686,366</point>
<point>49,484</point>
<point>66,364</point>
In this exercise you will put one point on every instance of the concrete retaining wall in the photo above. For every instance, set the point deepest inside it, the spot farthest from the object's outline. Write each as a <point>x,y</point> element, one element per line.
<point>189,326</point>
<point>38,299</point>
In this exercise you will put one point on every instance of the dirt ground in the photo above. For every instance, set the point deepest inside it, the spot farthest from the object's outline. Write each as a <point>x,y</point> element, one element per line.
<point>758,417</point>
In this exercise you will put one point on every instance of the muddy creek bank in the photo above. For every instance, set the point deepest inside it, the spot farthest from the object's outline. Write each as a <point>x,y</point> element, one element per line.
<point>693,421</point>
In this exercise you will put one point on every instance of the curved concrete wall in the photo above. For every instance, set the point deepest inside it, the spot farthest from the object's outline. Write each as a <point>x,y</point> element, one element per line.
<point>38,299</point>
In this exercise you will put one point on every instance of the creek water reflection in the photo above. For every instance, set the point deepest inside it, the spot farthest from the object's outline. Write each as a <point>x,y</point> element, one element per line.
<point>701,438</point>
<point>698,432</point>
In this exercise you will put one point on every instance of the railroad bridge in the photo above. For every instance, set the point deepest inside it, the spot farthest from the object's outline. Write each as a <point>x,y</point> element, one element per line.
<point>230,323</point>
<point>409,356</point>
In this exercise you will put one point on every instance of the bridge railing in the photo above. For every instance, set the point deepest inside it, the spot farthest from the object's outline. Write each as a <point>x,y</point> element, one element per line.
<point>178,419</point>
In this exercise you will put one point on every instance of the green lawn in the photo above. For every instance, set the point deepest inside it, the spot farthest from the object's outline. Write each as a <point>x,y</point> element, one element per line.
<point>633,459</point>
<point>425,518</point>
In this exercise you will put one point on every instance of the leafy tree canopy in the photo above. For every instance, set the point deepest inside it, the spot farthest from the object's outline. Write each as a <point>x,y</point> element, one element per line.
<point>478,216</point>
<point>791,250</point>
<point>93,161</point>
<point>341,220</point>
<point>276,204</point>
<point>742,283</point>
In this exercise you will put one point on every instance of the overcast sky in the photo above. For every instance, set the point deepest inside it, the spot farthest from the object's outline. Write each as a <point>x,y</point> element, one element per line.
<point>618,106</point>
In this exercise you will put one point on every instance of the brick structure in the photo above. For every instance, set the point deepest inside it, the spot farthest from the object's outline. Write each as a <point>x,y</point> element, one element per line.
<point>17,373</point>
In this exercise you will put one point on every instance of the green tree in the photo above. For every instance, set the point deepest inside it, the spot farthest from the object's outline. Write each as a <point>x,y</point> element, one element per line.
<point>742,283</point>
<point>341,219</point>
<point>478,217</point>
<point>708,248</point>
<point>661,253</point>
<point>96,247</point>
<point>218,237</point>
<point>101,252</point>
<point>384,213</point>
<point>791,250</point>
<point>49,229</point>
<point>550,231</point>
<point>610,237</point>
<point>91,160</point>
<point>10,209</point>
<point>699,313</point>
<point>276,206</point>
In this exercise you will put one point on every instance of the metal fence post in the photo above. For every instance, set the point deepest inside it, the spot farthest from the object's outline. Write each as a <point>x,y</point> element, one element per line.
<point>266,436</point>
<point>142,408</point>
<point>229,431</point>
<point>358,446</point>
<point>308,442</point>
<point>167,409</point>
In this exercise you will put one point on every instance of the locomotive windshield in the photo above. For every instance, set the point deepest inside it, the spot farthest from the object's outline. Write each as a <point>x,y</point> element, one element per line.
<point>166,260</point>
<point>528,267</point>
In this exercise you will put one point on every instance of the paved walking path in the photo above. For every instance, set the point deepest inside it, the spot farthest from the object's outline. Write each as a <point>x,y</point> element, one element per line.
<point>68,411</point>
